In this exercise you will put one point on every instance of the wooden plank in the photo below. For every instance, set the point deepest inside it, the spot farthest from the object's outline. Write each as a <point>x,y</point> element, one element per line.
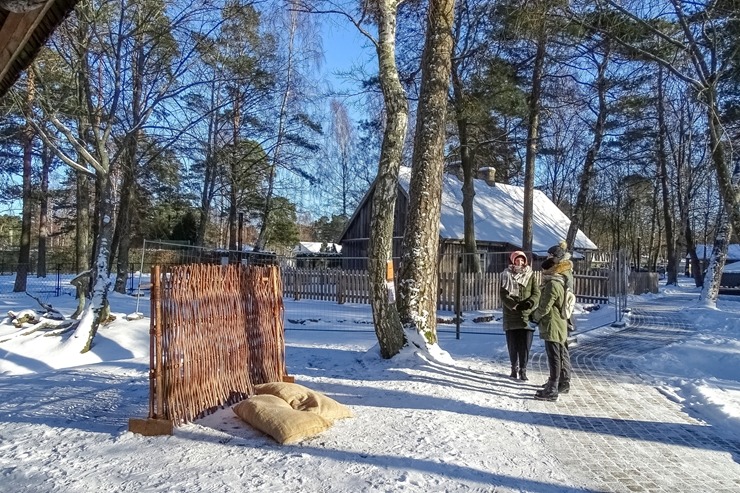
<point>150,427</point>
<point>15,33</point>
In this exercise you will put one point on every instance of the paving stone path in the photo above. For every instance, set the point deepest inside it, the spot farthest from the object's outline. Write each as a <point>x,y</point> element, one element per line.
<point>618,433</point>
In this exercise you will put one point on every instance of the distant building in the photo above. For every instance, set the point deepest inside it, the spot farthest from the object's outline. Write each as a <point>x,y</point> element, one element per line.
<point>317,247</point>
<point>498,212</point>
<point>315,254</point>
<point>704,252</point>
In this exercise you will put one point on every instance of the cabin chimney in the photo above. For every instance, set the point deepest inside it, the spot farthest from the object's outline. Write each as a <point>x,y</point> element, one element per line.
<point>487,174</point>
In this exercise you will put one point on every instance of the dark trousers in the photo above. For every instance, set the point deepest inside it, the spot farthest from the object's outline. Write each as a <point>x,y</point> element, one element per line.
<point>558,360</point>
<point>519,342</point>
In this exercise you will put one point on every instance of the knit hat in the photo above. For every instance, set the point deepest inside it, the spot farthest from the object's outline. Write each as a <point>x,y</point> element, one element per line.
<point>516,254</point>
<point>558,251</point>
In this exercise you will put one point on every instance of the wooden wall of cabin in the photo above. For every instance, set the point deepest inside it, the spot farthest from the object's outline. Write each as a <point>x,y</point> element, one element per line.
<point>356,238</point>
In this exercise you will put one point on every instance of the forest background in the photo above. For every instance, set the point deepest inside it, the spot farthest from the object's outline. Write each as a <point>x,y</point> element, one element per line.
<point>212,123</point>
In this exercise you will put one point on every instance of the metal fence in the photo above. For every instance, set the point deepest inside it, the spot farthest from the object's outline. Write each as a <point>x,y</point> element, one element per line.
<point>600,278</point>
<point>56,282</point>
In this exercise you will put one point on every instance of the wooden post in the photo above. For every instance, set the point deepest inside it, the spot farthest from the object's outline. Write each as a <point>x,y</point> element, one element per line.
<point>156,423</point>
<point>458,295</point>
<point>296,294</point>
<point>340,287</point>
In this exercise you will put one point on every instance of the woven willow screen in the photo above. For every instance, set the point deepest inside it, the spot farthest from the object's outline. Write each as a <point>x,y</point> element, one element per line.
<point>216,331</point>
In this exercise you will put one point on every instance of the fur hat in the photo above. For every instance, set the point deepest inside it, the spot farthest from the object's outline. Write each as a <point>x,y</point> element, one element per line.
<point>516,254</point>
<point>549,263</point>
<point>558,251</point>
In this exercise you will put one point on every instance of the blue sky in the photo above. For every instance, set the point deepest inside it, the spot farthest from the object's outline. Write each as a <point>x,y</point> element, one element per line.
<point>344,48</point>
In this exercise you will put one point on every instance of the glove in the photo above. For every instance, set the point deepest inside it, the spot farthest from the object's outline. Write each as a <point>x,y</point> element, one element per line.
<point>525,305</point>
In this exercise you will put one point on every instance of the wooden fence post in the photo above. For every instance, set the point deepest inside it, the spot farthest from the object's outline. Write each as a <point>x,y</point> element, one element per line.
<point>458,295</point>
<point>156,423</point>
<point>340,287</point>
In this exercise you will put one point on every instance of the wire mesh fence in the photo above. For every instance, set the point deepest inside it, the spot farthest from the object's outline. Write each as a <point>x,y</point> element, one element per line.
<point>321,284</point>
<point>57,282</point>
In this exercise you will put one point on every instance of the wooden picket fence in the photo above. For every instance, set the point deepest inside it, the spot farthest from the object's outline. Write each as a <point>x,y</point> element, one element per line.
<point>216,331</point>
<point>478,291</point>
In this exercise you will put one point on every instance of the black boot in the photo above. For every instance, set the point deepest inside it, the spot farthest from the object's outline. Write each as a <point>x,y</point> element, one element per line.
<point>564,387</point>
<point>549,393</point>
<point>523,374</point>
<point>513,372</point>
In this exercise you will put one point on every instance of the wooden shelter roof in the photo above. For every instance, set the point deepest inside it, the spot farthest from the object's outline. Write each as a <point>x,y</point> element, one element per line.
<point>23,33</point>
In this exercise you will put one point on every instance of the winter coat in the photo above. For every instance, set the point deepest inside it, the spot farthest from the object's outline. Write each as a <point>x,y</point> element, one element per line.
<point>553,327</point>
<point>530,294</point>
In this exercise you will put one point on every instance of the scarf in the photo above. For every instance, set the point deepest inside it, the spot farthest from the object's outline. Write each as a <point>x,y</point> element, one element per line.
<point>513,277</point>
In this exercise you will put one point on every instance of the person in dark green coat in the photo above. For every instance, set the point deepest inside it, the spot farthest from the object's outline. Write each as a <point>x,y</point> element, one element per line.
<point>557,276</point>
<point>519,296</point>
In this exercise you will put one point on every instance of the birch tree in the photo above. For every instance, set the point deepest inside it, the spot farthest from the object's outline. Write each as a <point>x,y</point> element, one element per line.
<point>418,274</point>
<point>383,14</point>
<point>388,328</point>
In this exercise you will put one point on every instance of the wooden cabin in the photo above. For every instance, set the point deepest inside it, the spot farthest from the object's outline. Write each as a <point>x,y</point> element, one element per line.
<point>498,213</point>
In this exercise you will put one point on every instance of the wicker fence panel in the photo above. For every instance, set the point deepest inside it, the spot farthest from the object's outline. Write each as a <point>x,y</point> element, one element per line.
<point>218,331</point>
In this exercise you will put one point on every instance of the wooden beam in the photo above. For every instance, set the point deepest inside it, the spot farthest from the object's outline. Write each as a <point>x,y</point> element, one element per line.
<point>15,33</point>
<point>150,427</point>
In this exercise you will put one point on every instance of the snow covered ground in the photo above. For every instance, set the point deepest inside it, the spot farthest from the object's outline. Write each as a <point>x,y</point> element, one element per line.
<point>418,425</point>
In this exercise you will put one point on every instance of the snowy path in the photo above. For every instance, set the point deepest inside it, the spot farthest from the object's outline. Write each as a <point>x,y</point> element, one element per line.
<point>618,432</point>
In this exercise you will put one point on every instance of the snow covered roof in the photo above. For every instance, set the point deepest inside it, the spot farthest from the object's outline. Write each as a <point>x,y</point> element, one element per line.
<point>705,251</point>
<point>498,212</point>
<point>315,247</point>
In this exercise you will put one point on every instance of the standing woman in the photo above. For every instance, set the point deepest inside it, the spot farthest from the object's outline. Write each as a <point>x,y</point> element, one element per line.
<point>520,294</point>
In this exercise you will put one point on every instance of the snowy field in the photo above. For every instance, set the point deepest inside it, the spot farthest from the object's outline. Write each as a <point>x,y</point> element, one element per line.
<point>418,425</point>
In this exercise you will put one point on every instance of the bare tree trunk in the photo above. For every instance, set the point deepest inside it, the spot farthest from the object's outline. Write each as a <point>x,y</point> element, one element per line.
<point>387,322</point>
<point>684,237</point>
<point>419,278</point>
<point>671,271</point>
<point>587,176</point>
<point>82,222</point>
<point>713,275</point>
<point>471,262</point>
<point>729,187</point>
<point>46,158</point>
<point>233,161</point>
<point>122,235</point>
<point>533,126</point>
<point>24,252</point>
<point>283,115</point>
<point>98,309</point>
<point>210,173</point>
<point>696,268</point>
